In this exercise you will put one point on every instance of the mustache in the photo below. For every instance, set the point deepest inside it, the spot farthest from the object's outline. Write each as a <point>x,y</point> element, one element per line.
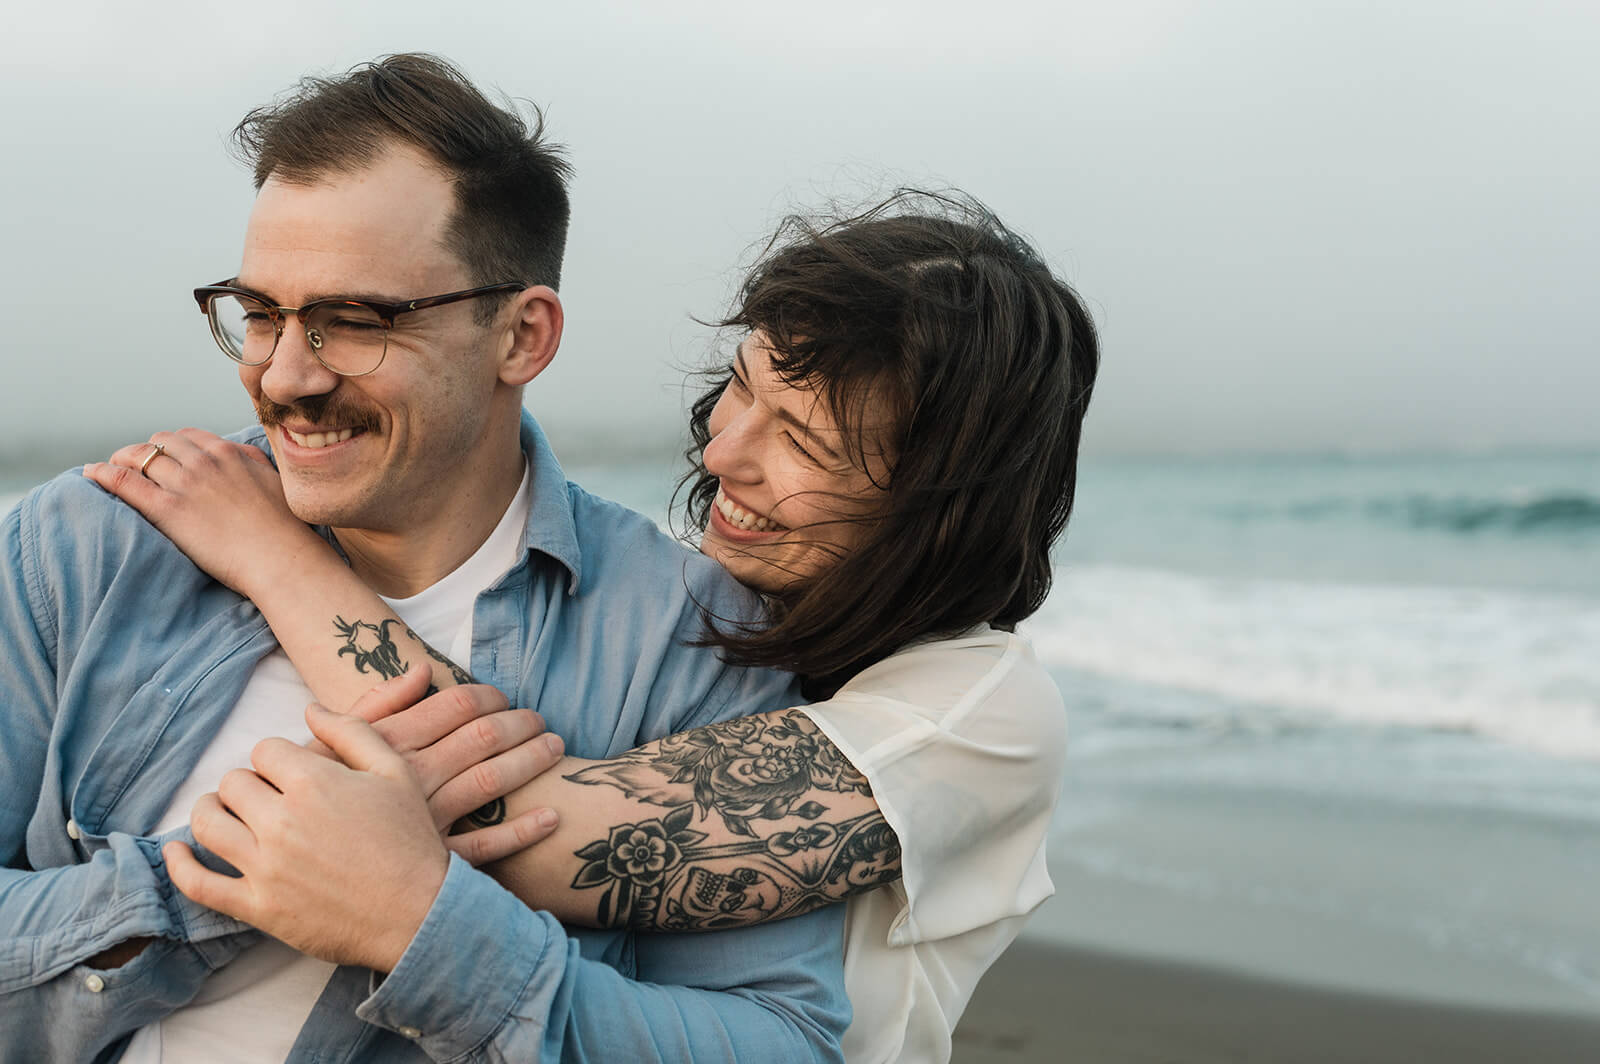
<point>321,410</point>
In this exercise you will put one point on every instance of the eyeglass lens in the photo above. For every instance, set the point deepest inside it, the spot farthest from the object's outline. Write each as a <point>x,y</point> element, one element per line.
<point>348,338</point>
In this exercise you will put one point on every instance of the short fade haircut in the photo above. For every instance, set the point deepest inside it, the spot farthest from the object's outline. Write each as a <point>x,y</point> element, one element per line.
<point>985,362</point>
<point>512,210</point>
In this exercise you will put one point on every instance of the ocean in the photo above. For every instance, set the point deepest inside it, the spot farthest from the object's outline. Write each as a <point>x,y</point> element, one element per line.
<point>1333,719</point>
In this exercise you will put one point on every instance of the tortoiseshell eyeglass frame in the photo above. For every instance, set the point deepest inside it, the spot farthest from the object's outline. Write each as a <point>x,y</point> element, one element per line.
<point>387,312</point>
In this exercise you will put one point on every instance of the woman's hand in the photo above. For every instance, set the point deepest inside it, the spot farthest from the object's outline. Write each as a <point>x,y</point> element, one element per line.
<point>221,502</point>
<point>468,750</point>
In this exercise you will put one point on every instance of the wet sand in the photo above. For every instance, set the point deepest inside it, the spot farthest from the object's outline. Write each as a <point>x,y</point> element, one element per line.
<point>1053,1004</point>
<point>1043,1003</point>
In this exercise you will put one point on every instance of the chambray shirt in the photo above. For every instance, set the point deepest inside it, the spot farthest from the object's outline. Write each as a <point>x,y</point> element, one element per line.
<point>120,662</point>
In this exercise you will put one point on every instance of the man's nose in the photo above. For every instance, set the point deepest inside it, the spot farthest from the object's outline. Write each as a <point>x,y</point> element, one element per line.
<point>294,372</point>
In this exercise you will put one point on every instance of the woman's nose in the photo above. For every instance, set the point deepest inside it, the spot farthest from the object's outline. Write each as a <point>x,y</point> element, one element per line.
<point>732,452</point>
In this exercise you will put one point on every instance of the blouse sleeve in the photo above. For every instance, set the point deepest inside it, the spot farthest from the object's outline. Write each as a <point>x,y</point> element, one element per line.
<point>963,741</point>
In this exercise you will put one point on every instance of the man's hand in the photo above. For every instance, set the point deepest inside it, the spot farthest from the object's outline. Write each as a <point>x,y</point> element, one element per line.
<point>467,748</point>
<point>339,861</point>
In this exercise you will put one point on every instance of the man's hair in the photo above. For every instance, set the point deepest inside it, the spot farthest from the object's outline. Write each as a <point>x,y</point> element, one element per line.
<point>928,305</point>
<point>510,219</point>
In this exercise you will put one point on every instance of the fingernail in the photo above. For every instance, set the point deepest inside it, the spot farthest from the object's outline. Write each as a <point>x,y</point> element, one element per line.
<point>547,819</point>
<point>556,746</point>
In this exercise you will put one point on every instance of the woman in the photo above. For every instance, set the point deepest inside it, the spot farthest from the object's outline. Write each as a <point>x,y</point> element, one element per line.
<point>887,458</point>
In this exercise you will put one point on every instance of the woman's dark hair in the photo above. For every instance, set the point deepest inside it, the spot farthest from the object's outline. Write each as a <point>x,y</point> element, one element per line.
<point>510,221</point>
<point>985,362</point>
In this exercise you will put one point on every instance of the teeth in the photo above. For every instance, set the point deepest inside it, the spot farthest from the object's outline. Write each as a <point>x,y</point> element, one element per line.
<point>743,519</point>
<point>315,440</point>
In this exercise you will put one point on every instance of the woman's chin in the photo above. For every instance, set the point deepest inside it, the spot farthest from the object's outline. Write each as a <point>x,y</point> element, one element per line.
<point>744,563</point>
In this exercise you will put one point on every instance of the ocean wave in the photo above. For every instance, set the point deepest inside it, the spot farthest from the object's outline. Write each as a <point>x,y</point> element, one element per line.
<point>1513,666</point>
<point>1553,512</point>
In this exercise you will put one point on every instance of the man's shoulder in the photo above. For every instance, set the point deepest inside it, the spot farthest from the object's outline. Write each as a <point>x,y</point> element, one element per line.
<point>71,508</point>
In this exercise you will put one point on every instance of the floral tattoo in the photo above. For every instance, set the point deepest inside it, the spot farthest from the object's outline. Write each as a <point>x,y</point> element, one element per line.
<point>661,873</point>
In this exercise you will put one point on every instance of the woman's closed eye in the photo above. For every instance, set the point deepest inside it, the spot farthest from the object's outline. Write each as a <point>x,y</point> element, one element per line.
<point>798,446</point>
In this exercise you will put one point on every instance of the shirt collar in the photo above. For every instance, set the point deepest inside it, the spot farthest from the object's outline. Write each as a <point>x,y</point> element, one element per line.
<point>551,528</point>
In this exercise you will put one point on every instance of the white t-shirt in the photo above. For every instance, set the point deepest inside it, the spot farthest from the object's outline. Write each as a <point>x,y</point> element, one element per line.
<point>963,741</point>
<point>256,1005</point>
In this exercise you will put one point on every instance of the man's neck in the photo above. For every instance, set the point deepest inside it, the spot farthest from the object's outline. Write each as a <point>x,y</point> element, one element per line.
<point>401,562</point>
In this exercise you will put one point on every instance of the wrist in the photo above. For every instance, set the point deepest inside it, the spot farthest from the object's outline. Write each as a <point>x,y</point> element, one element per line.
<point>291,562</point>
<point>407,919</point>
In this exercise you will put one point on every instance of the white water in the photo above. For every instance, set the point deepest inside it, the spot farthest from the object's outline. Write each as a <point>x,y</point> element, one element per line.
<point>1519,667</point>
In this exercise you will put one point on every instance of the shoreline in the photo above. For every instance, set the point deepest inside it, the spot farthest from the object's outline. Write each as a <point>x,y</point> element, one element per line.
<point>1047,1003</point>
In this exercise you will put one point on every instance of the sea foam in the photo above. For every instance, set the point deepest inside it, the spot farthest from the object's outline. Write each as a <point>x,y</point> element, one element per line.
<point>1519,667</point>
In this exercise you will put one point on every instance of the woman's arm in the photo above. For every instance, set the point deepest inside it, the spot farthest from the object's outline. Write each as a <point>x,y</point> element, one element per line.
<point>730,824</point>
<point>222,504</point>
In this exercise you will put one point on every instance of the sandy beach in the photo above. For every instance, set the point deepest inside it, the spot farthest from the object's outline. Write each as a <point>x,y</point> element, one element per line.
<point>1307,897</point>
<point>1052,1004</point>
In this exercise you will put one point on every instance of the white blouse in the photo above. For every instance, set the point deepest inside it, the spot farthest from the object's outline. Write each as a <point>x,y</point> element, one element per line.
<point>963,741</point>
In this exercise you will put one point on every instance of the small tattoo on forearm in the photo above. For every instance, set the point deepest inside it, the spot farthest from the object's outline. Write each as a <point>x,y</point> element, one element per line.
<point>371,646</point>
<point>374,650</point>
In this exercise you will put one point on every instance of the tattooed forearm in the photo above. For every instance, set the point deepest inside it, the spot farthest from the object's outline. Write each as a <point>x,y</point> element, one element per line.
<point>663,873</point>
<point>660,874</point>
<point>739,769</point>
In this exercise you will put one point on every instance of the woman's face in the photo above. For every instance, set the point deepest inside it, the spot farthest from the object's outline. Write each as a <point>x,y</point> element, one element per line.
<point>791,499</point>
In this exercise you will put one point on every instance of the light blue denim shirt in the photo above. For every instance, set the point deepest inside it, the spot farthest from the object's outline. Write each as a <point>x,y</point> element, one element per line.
<point>121,661</point>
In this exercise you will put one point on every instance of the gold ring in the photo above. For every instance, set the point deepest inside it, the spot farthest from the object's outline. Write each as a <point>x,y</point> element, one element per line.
<point>160,449</point>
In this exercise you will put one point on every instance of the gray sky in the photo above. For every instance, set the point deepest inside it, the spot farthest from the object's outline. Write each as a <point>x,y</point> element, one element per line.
<point>1300,226</point>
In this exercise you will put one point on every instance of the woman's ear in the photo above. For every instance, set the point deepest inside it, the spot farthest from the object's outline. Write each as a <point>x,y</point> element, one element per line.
<point>532,335</point>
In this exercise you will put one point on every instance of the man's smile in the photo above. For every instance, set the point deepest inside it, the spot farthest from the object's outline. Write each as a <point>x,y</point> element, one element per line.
<point>317,439</point>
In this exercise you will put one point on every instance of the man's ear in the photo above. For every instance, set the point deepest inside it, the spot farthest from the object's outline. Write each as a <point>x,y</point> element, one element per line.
<point>532,335</point>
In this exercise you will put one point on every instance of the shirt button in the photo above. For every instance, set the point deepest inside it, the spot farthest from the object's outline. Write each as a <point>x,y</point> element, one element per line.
<point>410,1032</point>
<point>72,830</point>
<point>94,983</point>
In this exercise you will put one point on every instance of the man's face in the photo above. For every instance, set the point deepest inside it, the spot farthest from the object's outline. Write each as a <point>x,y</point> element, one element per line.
<point>371,452</point>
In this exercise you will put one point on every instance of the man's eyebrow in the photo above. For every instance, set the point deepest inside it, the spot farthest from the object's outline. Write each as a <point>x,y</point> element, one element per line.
<point>785,415</point>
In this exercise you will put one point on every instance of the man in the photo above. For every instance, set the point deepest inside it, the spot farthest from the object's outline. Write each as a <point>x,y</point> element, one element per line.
<point>395,420</point>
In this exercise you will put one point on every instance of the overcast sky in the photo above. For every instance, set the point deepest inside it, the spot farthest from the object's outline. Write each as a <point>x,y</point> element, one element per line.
<point>1300,226</point>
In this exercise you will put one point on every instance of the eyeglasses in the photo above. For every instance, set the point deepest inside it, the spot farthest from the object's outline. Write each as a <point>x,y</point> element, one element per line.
<point>349,336</point>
